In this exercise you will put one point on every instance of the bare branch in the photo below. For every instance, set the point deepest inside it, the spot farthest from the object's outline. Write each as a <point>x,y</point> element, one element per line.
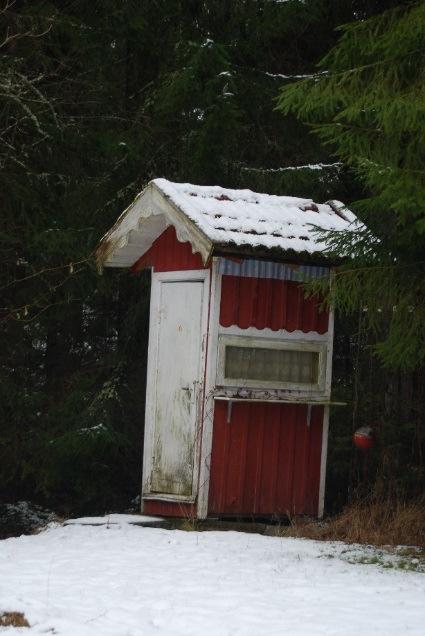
<point>44,271</point>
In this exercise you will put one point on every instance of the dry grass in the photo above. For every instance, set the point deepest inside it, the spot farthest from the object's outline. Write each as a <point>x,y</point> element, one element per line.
<point>374,523</point>
<point>188,524</point>
<point>13,619</point>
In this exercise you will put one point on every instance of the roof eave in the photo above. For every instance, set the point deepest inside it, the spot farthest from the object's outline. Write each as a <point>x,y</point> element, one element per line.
<point>108,244</point>
<point>275,254</point>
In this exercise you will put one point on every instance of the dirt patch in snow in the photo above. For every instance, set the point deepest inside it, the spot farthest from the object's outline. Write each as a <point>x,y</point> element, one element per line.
<point>13,619</point>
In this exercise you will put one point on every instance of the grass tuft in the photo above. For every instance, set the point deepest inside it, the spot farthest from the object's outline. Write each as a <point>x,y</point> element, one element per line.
<point>369,522</point>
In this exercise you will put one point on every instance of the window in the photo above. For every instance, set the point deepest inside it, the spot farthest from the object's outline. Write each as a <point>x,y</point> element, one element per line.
<point>276,364</point>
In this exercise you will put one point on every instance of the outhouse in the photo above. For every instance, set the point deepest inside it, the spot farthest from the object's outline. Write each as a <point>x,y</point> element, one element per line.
<point>239,361</point>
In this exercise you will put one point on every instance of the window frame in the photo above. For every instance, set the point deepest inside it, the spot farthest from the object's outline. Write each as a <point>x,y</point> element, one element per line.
<point>315,346</point>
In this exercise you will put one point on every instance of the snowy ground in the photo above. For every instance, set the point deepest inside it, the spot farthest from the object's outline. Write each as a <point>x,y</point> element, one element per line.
<point>124,580</point>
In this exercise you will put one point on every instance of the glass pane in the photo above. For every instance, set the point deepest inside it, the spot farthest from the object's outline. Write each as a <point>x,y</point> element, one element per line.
<point>272,365</point>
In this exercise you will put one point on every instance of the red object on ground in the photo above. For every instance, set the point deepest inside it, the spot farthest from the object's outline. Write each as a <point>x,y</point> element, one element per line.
<point>364,438</point>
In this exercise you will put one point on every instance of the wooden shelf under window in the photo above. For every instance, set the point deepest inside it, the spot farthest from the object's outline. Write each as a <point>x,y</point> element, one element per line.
<point>285,400</point>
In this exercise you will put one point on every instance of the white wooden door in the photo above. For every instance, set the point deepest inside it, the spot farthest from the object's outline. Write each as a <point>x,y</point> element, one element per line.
<point>178,316</point>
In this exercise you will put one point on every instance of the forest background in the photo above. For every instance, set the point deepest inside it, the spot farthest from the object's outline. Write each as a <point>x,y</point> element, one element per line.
<point>99,97</point>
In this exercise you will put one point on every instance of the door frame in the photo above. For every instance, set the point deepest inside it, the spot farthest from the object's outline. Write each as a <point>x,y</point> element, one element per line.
<point>210,383</point>
<point>158,278</point>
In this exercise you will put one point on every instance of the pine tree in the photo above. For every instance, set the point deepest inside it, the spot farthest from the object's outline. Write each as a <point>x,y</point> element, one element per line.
<point>366,103</point>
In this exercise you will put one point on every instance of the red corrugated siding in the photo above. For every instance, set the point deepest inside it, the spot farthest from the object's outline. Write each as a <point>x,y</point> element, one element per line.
<point>167,254</point>
<point>169,509</point>
<point>266,461</point>
<point>269,303</point>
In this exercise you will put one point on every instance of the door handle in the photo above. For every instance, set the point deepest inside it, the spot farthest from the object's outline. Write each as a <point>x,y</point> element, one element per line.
<point>188,391</point>
<point>191,391</point>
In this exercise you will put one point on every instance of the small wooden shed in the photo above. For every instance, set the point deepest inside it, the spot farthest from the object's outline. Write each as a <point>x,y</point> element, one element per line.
<point>239,362</point>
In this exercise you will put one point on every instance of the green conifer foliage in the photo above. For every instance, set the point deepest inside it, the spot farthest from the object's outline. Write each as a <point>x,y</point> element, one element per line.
<point>366,103</point>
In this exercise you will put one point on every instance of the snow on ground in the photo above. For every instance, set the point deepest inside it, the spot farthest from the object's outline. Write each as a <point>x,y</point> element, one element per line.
<point>123,580</point>
<point>113,519</point>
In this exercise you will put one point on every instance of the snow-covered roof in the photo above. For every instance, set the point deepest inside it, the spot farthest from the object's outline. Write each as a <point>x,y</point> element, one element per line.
<point>212,219</point>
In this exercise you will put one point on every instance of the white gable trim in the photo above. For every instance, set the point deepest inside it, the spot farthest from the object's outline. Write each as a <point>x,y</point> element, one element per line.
<point>141,224</point>
<point>186,230</point>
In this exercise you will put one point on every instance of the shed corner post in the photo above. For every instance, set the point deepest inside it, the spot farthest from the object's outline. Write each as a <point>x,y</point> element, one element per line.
<point>323,462</point>
<point>326,408</point>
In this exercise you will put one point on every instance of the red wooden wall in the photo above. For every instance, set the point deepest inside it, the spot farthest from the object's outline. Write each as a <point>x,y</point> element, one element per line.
<point>269,303</point>
<point>167,254</point>
<point>169,508</point>
<point>266,461</point>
